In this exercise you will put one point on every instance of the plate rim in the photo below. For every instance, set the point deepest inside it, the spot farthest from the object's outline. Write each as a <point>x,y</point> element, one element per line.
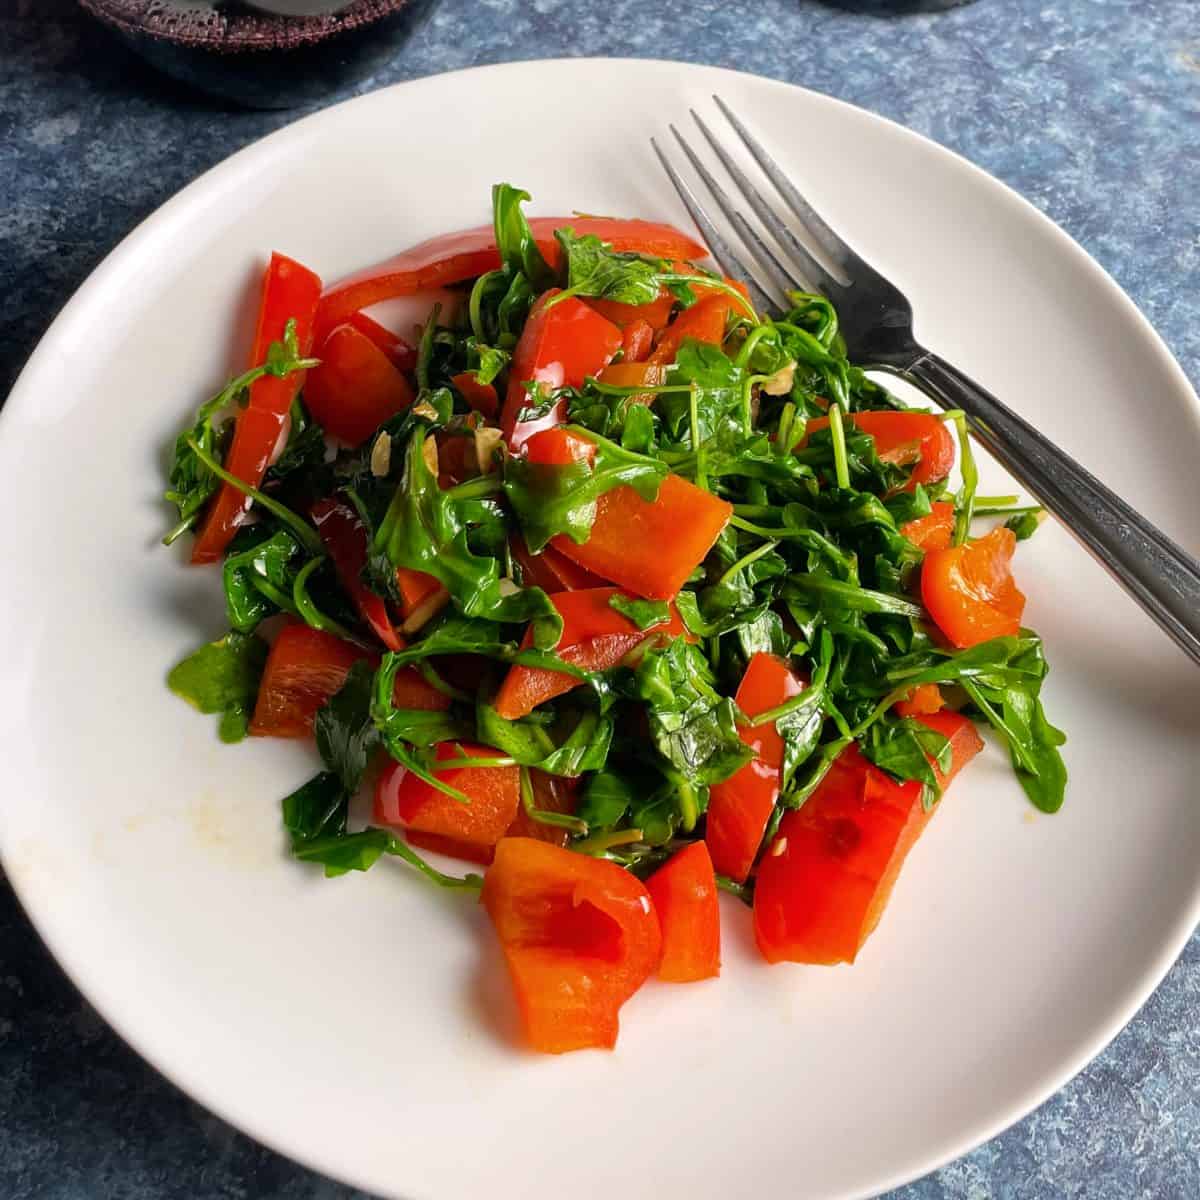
<point>121,256</point>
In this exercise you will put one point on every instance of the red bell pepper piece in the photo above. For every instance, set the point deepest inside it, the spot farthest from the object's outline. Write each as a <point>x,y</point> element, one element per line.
<point>551,793</point>
<point>740,807</point>
<point>636,374</point>
<point>550,570</point>
<point>421,596</point>
<point>684,891</point>
<point>656,314</point>
<point>290,292</point>
<point>559,448</point>
<point>902,438</point>
<point>636,339</point>
<point>823,882</point>
<point>580,936</point>
<point>345,538</point>
<point>403,356</point>
<point>306,667</point>
<point>465,830</point>
<point>480,396</point>
<point>595,637</point>
<point>705,321</point>
<point>969,591</point>
<point>934,531</point>
<point>650,546</point>
<point>924,699</point>
<point>356,388</point>
<point>453,257</point>
<point>559,347</point>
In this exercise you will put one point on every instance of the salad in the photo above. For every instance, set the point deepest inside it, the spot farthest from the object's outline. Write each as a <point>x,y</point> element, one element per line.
<point>612,585</point>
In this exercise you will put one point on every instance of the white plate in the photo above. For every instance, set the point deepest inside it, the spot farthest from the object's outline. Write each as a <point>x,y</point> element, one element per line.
<point>361,1025</point>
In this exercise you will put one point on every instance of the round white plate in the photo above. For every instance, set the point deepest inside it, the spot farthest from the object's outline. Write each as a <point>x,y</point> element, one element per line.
<point>363,1025</point>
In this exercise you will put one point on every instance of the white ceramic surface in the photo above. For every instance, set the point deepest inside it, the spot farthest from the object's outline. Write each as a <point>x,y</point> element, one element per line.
<point>362,1025</point>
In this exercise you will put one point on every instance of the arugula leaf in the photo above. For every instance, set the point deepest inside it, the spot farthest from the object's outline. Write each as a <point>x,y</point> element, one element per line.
<point>1026,524</point>
<point>345,731</point>
<point>597,271</point>
<point>424,530</point>
<point>222,677</point>
<point>361,851</point>
<point>316,809</point>
<point>717,387</point>
<point>551,500</point>
<point>519,251</point>
<point>691,724</point>
<point>305,449</point>
<point>903,748</point>
<point>258,576</point>
<point>606,798</point>
<point>645,614</point>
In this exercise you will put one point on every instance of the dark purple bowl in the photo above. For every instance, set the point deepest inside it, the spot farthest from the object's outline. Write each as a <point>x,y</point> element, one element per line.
<point>259,60</point>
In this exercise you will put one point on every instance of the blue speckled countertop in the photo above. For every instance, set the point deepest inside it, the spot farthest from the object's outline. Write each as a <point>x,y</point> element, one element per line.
<point>1091,108</point>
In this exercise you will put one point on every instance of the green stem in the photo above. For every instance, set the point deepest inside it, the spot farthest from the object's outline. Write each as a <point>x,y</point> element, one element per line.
<point>989,510</point>
<point>309,612</point>
<point>697,445</point>
<point>600,843</point>
<point>965,500</point>
<point>401,849</point>
<point>710,281</point>
<point>577,827</point>
<point>436,682</point>
<point>746,560</point>
<point>747,347</point>
<point>837,432</point>
<point>301,528</point>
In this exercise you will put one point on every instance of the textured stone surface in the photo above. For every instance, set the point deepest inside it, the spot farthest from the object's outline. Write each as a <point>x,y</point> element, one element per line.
<point>1091,108</point>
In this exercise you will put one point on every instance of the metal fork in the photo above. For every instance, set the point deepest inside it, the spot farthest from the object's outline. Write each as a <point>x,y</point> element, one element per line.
<point>875,320</point>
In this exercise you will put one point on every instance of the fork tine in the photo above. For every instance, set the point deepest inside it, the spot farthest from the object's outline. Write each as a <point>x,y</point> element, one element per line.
<point>808,265</point>
<point>721,250</point>
<point>779,274</point>
<point>838,250</point>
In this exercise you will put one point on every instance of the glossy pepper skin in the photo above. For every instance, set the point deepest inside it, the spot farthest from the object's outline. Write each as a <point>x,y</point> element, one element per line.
<point>595,637</point>
<point>969,590</point>
<point>933,531</point>
<point>684,891</point>
<point>290,292</point>
<point>903,438</point>
<point>822,884</point>
<point>455,257</point>
<point>345,539</point>
<point>356,388</point>
<point>740,807</point>
<point>305,667</point>
<point>562,343</point>
<point>439,822</point>
<point>580,935</point>
<point>650,547</point>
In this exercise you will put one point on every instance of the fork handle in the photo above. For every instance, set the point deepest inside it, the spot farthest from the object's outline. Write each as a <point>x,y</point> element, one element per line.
<point>1161,576</point>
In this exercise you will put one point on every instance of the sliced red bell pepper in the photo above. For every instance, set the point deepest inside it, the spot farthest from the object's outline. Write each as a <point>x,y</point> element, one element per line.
<point>902,438</point>
<point>705,321</point>
<point>481,397</point>
<point>290,292</point>
<point>356,388</point>
<point>560,346</point>
<point>822,884</point>
<point>453,257</point>
<point>650,546</point>
<point>421,596</point>
<point>580,936</point>
<point>636,374</point>
<point>551,793</point>
<point>969,591</point>
<point>305,667</point>
<point>595,637</point>
<point>924,699</point>
<point>740,807</point>
<point>656,314</point>
<point>684,891</point>
<point>345,538</point>
<point>559,448</point>
<point>934,531</point>
<point>636,340</point>
<point>550,570</point>
<point>466,830</point>
<point>403,356</point>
